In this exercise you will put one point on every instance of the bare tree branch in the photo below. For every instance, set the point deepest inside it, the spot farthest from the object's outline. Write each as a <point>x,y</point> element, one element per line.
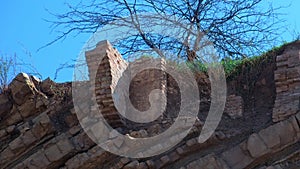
<point>237,28</point>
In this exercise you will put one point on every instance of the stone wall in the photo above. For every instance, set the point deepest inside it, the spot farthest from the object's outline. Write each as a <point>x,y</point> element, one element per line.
<point>35,116</point>
<point>39,126</point>
<point>287,80</point>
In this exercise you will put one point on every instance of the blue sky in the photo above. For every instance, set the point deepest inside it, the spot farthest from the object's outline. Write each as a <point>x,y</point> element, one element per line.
<point>23,31</point>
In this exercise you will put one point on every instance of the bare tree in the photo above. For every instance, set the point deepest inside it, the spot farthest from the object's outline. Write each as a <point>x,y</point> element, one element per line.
<point>10,66</point>
<point>7,71</point>
<point>236,28</point>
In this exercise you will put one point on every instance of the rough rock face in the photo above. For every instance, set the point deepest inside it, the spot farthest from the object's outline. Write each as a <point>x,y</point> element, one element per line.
<point>23,101</point>
<point>28,122</point>
<point>39,127</point>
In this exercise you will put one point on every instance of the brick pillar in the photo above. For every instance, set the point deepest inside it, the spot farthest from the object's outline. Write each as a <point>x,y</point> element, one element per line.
<point>105,65</point>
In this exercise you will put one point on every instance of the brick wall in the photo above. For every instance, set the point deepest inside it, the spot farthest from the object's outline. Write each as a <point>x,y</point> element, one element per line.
<point>106,66</point>
<point>234,106</point>
<point>287,81</point>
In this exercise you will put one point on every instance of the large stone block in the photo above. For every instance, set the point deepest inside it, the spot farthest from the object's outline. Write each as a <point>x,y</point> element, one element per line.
<point>28,108</point>
<point>65,146</point>
<point>82,141</point>
<point>53,153</point>
<point>47,87</point>
<point>77,161</point>
<point>37,160</point>
<point>28,138</point>
<point>42,126</point>
<point>270,136</point>
<point>286,132</point>
<point>5,105</point>
<point>6,155</point>
<point>20,166</point>
<point>17,145</point>
<point>132,165</point>
<point>14,117</point>
<point>256,146</point>
<point>236,158</point>
<point>38,131</point>
<point>21,88</point>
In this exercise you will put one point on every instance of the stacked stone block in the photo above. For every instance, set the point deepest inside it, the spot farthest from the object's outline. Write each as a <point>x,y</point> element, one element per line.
<point>266,142</point>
